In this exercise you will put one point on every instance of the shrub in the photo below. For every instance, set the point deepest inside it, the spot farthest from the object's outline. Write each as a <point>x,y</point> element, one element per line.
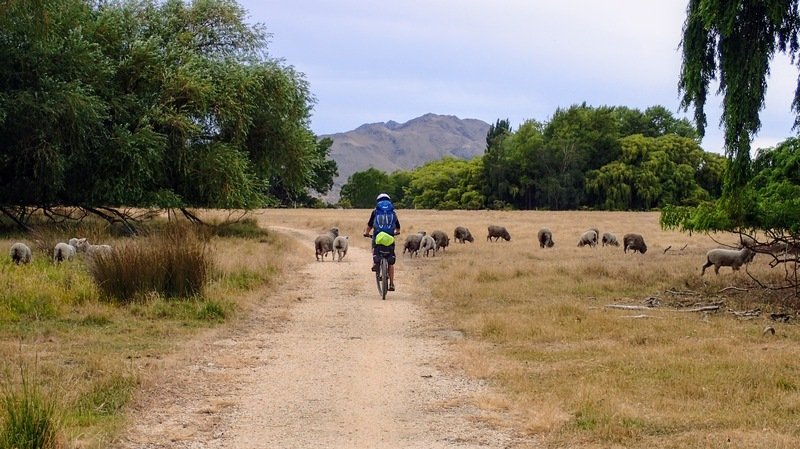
<point>174,264</point>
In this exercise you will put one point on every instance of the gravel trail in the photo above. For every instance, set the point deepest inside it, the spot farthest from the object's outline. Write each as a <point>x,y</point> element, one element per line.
<point>331,366</point>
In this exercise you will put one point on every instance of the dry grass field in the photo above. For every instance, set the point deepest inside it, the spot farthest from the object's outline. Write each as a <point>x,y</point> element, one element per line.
<point>580,374</point>
<point>532,322</point>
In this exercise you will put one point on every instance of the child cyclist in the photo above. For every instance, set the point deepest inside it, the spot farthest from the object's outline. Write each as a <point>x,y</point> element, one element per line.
<point>386,225</point>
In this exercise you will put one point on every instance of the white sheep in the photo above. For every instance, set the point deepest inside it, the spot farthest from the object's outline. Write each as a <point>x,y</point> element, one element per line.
<point>340,246</point>
<point>588,238</point>
<point>20,253</point>
<point>609,239</point>
<point>63,251</point>
<point>721,257</point>
<point>427,244</point>
<point>83,245</point>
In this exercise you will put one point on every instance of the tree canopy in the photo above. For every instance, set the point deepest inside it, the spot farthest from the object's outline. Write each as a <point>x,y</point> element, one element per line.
<point>151,104</point>
<point>596,157</point>
<point>733,42</point>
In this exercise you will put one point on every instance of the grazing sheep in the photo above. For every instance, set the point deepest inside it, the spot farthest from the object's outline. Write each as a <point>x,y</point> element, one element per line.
<point>609,239</point>
<point>20,253</point>
<point>63,251</point>
<point>73,242</point>
<point>634,242</point>
<point>442,240</point>
<point>323,244</point>
<point>734,258</point>
<point>83,245</point>
<point>412,244</point>
<point>588,238</point>
<point>340,246</point>
<point>427,245</point>
<point>496,232</point>
<point>545,238</point>
<point>462,235</point>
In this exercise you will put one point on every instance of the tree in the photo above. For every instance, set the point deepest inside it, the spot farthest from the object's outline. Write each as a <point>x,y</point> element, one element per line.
<point>362,187</point>
<point>735,41</point>
<point>149,103</point>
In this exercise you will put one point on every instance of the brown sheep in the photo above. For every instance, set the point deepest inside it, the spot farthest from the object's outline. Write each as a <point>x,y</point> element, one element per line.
<point>545,238</point>
<point>442,239</point>
<point>462,234</point>
<point>412,244</point>
<point>497,232</point>
<point>634,242</point>
<point>323,244</point>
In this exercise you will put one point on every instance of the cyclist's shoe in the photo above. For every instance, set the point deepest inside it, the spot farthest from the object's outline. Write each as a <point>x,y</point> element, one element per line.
<point>374,267</point>
<point>391,287</point>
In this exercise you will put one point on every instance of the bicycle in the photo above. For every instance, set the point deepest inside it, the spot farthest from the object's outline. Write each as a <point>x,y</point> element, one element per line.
<point>382,271</point>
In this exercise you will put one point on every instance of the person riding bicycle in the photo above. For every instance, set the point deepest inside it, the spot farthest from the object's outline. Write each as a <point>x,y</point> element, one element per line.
<point>386,225</point>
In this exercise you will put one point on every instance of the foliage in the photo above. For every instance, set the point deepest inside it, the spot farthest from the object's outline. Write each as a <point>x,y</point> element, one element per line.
<point>167,104</point>
<point>770,201</point>
<point>605,158</point>
<point>447,184</point>
<point>653,172</point>
<point>734,42</point>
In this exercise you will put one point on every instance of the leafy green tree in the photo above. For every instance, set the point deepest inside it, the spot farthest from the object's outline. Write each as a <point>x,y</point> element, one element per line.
<point>656,172</point>
<point>150,103</point>
<point>362,187</point>
<point>447,183</point>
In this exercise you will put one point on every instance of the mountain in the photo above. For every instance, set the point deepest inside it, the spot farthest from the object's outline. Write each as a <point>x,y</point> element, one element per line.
<point>394,146</point>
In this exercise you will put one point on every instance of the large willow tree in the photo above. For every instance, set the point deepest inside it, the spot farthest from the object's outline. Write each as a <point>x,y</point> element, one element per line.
<point>166,104</point>
<point>734,42</point>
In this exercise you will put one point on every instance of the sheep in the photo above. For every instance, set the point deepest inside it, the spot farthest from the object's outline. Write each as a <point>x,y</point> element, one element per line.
<point>412,244</point>
<point>427,245</point>
<point>545,238</point>
<point>83,245</point>
<point>588,238</point>
<point>73,242</point>
<point>323,244</point>
<point>442,240</point>
<point>462,235</point>
<point>721,257</point>
<point>20,253</point>
<point>609,239</point>
<point>633,242</point>
<point>496,232</point>
<point>63,251</point>
<point>340,246</point>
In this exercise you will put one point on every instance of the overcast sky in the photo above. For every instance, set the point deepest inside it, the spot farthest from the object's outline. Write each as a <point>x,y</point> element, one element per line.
<point>374,61</point>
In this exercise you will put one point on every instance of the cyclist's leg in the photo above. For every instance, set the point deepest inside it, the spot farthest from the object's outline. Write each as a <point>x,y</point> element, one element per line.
<point>392,260</point>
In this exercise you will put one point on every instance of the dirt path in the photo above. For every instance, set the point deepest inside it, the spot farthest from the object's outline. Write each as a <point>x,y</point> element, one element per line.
<point>346,370</point>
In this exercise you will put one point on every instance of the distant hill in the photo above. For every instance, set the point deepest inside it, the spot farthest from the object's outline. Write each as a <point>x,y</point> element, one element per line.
<point>394,146</point>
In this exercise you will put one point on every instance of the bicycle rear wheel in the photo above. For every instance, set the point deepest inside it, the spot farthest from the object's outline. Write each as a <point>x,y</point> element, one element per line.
<point>383,287</point>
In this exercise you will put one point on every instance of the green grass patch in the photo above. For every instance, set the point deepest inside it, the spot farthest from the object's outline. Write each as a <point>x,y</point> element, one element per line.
<point>29,418</point>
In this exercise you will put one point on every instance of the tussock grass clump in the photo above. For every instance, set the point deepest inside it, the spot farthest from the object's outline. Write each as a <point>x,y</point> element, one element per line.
<point>174,264</point>
<point>28,418</point>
